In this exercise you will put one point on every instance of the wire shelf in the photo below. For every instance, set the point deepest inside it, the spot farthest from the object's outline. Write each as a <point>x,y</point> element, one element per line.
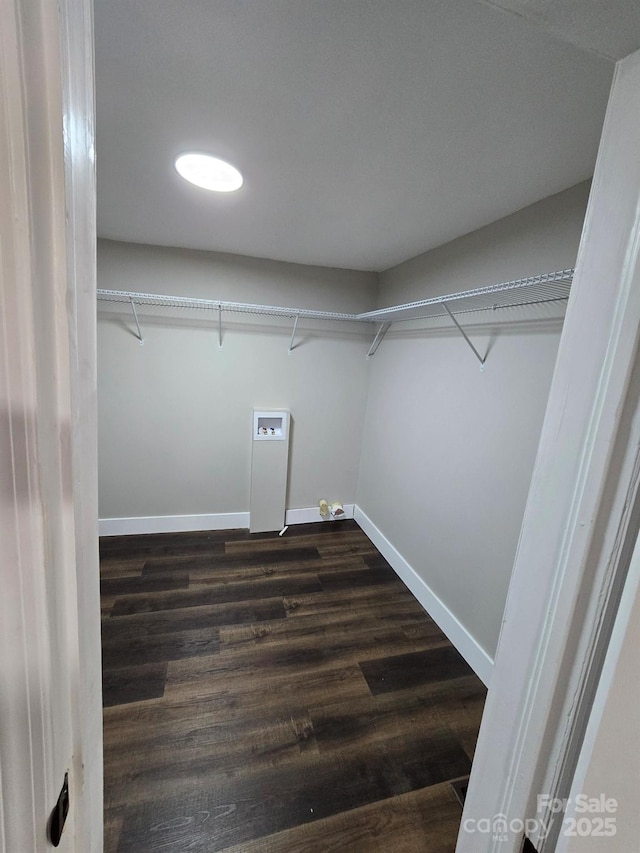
<point>535,290</point>
<point>161,301</point>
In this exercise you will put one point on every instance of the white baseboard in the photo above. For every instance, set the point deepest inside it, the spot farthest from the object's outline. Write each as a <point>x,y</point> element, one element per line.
<point>172,523</point>
<point>210,521</point>
<point>473,653</point>
<point>468,647</point>
<point>312,513</point>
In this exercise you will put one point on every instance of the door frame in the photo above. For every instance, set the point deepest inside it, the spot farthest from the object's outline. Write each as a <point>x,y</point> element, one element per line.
<point>581,520</point>
<point>76,40</point>
<point>50,674</point>
<point>581,512</point>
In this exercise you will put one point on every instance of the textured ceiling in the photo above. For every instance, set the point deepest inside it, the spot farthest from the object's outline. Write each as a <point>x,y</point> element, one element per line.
<point>367,131</point>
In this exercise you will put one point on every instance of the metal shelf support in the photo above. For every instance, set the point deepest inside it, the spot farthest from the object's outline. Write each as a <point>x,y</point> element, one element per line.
<point>534,290</point>
<point>382,331</point>
<point>465,336</point>
<point>135,317</point>
<point>293,334</point>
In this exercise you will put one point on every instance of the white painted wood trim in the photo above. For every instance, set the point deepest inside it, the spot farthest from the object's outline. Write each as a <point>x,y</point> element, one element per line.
<point>77,83</point>
<point>173,523</point>
<point>26,720</point>
<point>618,639</point>
<point>465,643</point>
<point>307,515</point>
<point>51,718</point>
<point>204,521</point>
<point>580,514</point>
<point>473,653</point>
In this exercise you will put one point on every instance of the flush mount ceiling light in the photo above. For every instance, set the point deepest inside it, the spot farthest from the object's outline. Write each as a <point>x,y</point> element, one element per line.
<point>208,172</point>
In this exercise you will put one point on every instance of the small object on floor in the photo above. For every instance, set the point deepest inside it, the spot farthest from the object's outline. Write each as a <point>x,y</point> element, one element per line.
<point>336,509</point>
<point>324,508</point>
<point>284,530</point>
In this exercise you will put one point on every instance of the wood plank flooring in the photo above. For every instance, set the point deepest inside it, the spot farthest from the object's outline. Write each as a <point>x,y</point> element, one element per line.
<point>269,694</point>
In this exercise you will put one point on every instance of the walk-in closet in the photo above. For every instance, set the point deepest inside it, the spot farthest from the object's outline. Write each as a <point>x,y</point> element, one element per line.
<point>321,389</point>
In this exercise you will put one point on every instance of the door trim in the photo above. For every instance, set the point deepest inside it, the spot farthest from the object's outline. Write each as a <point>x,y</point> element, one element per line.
<point>49,609</point>
<point>581,519</point>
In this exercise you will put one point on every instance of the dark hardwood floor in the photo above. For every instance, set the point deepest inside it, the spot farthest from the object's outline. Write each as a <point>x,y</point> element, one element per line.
<point>269,694</point>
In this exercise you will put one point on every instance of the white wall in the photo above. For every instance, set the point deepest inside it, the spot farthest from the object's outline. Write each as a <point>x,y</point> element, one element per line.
<point>447,451</point>
<point>175,414</point>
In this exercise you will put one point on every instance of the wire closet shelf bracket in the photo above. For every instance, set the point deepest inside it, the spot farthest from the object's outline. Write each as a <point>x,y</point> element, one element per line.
<point>533,290</point>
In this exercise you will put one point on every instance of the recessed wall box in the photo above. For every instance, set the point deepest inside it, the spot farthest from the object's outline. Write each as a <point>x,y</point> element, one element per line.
<point>269,463</point>
<point>270,426</point>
